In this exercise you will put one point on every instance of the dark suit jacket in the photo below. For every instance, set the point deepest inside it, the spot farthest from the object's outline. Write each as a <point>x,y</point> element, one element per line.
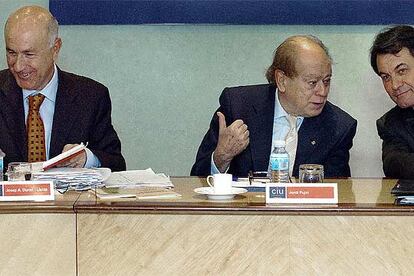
<point>396,129</point>
<point>82,114</point>
<point>324,139</point>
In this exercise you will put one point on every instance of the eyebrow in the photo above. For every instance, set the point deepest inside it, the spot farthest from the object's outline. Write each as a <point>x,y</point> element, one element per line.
<point>317,76</point>
<point>27,51</point>
<point>399,65</point>
<point>395,68</point>
<point>24,51</point>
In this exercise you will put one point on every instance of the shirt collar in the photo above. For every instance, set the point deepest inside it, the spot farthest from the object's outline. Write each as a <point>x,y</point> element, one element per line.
<point>50,89</point>
<point>280,112</point>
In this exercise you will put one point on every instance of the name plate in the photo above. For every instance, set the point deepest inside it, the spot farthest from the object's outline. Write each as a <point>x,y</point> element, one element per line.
<point>26,190</point>
<point>302,193</point>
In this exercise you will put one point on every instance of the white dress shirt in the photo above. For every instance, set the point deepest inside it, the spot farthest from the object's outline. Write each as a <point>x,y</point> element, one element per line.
<point>280,129</point>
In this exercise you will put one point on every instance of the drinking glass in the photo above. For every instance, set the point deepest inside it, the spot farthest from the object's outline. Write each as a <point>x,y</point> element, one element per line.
<point>311,173</point>
<point>19,171</point>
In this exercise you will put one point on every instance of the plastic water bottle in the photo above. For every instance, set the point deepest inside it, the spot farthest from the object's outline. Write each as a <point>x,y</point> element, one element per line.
<point>279,163</point>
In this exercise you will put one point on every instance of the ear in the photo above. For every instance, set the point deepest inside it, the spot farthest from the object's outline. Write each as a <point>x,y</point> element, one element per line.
<point>56,48</point>
<point>280,79</point>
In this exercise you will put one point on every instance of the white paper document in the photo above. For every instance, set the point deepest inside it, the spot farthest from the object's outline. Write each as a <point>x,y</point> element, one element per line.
<point>138,178</point>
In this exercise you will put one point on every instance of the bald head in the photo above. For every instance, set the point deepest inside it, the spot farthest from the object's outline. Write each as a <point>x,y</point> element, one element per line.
<point>32,46</point>
<point>287,54</point>
<point>33,17</point>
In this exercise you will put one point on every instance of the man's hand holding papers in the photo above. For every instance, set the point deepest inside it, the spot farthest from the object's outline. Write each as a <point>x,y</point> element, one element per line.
<point>71,156</point>
<point>76,160</point>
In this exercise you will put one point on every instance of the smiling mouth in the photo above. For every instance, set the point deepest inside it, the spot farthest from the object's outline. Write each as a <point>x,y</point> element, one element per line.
<point>24,76</point>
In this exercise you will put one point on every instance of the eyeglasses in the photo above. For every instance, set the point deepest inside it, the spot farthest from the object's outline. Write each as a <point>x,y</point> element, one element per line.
<point>260,176</point>
<point>62,187</point>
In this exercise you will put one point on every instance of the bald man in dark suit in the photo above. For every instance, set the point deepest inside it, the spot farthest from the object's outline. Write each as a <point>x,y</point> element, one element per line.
<point>75,109</point>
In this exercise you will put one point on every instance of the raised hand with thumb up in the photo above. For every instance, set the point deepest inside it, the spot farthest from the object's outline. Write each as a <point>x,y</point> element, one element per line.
<point>232,140</point>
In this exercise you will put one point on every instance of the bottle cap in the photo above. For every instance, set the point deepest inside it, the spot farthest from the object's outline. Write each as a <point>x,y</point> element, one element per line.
<point>280,143</point>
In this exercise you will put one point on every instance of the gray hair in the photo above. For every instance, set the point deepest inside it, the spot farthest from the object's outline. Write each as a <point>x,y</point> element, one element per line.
<point>53,31</point>
<point>285,55</point>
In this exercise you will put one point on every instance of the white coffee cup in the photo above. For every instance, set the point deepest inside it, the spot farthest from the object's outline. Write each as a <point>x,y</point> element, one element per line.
<point>221,183</point>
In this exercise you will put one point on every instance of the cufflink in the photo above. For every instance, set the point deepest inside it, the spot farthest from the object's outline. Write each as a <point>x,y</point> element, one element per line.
<point>313,142</point>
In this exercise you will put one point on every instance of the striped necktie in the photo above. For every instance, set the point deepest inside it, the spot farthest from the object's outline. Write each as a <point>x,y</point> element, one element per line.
<point>291,142</point>
<point>36,148</point>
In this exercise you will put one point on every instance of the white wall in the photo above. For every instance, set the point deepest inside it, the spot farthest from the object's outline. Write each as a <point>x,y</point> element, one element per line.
<point>165,81</point>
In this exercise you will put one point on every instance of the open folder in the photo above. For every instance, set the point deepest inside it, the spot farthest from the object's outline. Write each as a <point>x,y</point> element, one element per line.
<point>64,156</point>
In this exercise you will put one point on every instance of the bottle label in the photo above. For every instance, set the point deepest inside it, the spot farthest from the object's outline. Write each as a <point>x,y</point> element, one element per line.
<point>280,163</point>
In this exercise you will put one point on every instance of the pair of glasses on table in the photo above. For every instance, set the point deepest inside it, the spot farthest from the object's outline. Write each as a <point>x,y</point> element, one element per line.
<point>62,187</point>
<point>260,176</point>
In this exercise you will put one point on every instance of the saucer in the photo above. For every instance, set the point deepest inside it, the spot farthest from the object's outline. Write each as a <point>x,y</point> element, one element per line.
<point>209,192</point>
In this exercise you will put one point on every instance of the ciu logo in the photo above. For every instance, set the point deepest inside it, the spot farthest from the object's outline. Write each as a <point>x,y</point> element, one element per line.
<point>278,192</point>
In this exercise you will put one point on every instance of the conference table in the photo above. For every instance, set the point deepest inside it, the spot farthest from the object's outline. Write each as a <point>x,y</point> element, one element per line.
<point>79,234</point>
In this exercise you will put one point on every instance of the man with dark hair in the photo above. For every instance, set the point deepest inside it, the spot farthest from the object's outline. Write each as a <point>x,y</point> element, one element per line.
<point>292,107</point>
<point>44,110</point>
<point>392,58</point>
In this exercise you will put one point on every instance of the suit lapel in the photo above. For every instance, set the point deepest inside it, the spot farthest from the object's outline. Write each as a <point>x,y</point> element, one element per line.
<point>13,113</point>
<point>313,135</point>
<point>309,139</point>
<point>65,115</point>
<point>260,123</point>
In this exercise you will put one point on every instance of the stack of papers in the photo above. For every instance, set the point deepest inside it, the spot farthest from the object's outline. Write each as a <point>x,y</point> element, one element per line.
<point>79,179</point>
<point>139,178</point>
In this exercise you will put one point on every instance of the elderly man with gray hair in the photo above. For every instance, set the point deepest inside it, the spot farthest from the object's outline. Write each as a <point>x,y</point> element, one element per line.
<point>250,119</point>
<point>44,110</point>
